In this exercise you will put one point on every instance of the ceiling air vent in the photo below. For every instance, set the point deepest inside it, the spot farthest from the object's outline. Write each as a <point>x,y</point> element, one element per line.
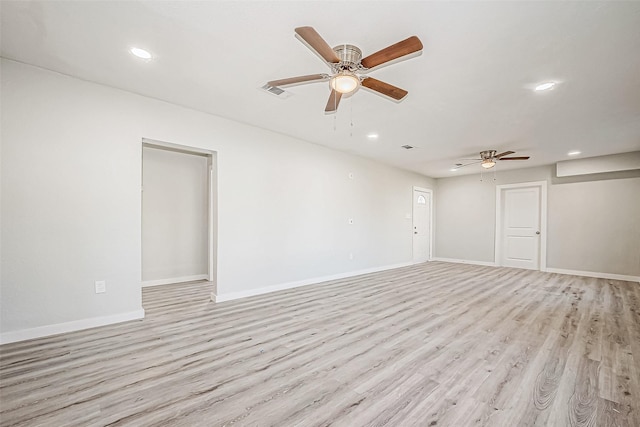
<point>407,147</point>
<point>274,90</point>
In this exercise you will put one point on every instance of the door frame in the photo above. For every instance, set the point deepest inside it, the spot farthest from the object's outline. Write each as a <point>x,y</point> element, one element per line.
<point>542,185</point>
<point>430,210</point>
<point>212,195</point>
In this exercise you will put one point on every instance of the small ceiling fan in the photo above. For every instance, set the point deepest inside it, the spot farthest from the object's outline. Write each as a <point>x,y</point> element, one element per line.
<point>348,67</point>
<point>488,159</point>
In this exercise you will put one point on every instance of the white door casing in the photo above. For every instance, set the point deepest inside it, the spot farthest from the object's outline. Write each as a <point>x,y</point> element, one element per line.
<point>211,193</point>
<point>422,208</point>
<point>521,226</point>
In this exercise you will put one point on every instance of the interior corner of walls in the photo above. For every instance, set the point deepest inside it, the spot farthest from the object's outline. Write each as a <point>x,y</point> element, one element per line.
<point>73,326</point>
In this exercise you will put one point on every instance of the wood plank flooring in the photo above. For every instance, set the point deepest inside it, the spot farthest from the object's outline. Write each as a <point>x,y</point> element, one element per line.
<point>434,344</point>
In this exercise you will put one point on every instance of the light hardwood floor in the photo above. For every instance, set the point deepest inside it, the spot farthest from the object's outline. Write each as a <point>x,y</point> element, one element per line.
<point>433,344</point>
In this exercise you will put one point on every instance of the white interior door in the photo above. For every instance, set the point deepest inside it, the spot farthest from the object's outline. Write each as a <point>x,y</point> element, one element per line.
<point>421,225</point>
<point>520,229</point>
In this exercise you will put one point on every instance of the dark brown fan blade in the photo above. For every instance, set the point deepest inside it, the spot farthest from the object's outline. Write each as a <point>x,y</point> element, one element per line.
<point>384,88</point>
<point>316,43</point>
<point>514,158</point>
<point>395,51</point>
<point>300,79</point>
<point>333,102</point>
<point>506,153</point>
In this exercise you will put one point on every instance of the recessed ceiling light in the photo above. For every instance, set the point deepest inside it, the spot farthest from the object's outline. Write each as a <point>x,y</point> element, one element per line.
<point>454,169</point>
<point>545,86</point>
<point>372,135</point>
<point>140,53</point>
<point>574,153</point>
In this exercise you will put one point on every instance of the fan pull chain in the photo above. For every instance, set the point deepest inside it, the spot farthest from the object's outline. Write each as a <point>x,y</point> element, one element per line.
<point>335,111</point>
<point>351,107</point>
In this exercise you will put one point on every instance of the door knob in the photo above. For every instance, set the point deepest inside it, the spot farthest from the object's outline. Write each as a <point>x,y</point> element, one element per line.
<point>537,232</point>
<point>415,232</point>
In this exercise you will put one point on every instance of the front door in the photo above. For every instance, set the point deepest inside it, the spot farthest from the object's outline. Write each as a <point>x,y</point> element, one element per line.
<point>421,225</point>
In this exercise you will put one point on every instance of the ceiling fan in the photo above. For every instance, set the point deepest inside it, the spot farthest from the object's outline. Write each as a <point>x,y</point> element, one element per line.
<point>488,159</point>
<point>348,67</point>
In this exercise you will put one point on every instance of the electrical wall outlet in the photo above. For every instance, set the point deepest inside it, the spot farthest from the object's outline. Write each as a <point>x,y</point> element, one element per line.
<point>101,286</point>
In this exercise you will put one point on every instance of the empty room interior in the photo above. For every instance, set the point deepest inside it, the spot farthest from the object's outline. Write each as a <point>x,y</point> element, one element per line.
<point>346,213</point>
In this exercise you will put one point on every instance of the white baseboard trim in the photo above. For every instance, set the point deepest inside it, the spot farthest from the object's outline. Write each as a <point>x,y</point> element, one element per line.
<point>76,325</point>
<point>594,274</point>
<point>173,280</point>
<point>551,270</point>
<point>465,261</point>
<point>290,285</point>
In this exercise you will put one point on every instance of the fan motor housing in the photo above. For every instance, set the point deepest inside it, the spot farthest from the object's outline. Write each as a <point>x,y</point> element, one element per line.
<point>488,154</point>
<point>349,55</point>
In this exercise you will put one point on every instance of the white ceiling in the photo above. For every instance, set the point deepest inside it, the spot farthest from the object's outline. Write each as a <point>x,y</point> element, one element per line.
<point>470,90</point>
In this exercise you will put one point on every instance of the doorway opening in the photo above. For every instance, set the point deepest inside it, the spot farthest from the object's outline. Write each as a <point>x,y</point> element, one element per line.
<point>179,214</point>
<point>521,225</point>
<point>422,224</point>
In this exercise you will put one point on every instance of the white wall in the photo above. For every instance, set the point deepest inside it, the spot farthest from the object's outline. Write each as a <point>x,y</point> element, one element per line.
<point>595,226</point>
<point>71,204</point>
<point>593,223</point>
<point>174,215</point>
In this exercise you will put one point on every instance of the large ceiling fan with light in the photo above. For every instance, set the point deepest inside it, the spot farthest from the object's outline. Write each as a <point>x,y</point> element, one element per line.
<point>348,68</point>
<point>488,159</point>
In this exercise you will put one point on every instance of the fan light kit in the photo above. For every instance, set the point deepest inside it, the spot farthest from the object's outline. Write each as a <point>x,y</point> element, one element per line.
<point>488,159</point>
<point>344,82</point>
<point>348,67</point>
<point>488,163</point>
